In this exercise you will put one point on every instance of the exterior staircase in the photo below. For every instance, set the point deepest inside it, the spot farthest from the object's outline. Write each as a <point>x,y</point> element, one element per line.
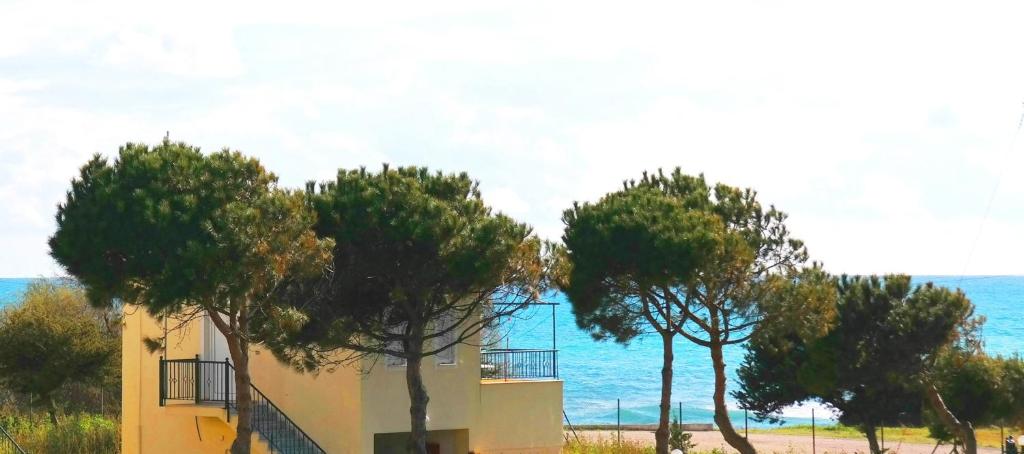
<point>213,382</point>
<point>7,443</point>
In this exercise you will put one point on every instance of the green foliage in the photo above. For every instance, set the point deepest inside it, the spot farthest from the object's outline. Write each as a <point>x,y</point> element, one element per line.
<point>1011,410</point>
<point>75,434</point>
<point>168,228</point>
<point>622,255</point>
<point>869,363</point>
<point>411,248</point>
<point>755,259</point>
<point>53,338</point>
<point>678,439</point>
<point>970,387</point>
<point>978,389</point>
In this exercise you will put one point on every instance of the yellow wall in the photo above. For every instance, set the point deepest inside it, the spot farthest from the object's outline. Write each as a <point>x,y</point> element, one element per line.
<point>341,410</point>
<point>147,427</point>
<point>519,417</point>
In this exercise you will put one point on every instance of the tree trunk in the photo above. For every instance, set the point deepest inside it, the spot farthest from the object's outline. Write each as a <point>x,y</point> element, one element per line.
<point>871,432</point>
<point>730,435</point>
<point>239,350</point>
<point>417,399</point>
<point>962,429</point>
<point>661,435</point>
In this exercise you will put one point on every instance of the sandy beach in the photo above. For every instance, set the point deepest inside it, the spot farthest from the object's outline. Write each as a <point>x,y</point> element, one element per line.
<point>770,443</point>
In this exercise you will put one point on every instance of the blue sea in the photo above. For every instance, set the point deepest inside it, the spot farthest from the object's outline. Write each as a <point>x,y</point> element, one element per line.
<point>598,373</point>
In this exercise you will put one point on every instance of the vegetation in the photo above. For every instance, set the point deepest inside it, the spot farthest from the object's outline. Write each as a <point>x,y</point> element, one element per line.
<point>421,264</point>
<point>678,439</point>
<point>74,434</point>
<point>53,339</point>
<point>623,256</point>
<point>988,437</point>
<point>976,390</point>
<point>870,364</point>
<point>753,277</point>
<point>405,264</point>
<point>183,235</point>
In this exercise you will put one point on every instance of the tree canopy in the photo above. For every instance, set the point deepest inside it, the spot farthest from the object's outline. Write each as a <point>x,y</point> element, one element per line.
<point>869,363</point>
<point>420,264</point>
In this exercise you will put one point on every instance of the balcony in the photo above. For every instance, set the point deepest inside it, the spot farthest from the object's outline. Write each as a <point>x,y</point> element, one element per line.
<point>513,364</point>
<point>207,383</point>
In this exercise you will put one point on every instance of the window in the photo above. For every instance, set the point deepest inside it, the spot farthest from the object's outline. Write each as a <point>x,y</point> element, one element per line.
<point>394,361</point>
<point>447,356</point>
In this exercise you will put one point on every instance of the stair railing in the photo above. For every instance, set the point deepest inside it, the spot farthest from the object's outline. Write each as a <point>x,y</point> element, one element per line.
<point>7,443</point>
<point>213,382</point>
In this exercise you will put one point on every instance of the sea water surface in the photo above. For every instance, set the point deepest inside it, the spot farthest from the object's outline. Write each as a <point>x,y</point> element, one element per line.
<point>598,373</point>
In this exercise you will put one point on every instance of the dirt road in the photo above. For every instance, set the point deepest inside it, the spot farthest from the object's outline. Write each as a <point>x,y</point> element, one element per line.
<point>782,444</point>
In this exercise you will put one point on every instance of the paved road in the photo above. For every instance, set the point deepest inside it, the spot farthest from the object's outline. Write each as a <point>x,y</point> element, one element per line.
<point>769,443</point>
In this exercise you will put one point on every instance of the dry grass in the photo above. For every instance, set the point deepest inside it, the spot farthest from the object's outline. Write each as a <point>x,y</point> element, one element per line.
<point>74,434</point>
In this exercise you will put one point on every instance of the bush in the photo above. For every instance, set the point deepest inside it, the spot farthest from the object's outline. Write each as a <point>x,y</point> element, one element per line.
<point>677,439</point>
<point>74,434</point>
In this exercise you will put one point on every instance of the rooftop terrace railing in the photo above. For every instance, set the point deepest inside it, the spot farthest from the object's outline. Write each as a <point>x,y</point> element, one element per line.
<point>513,364</point>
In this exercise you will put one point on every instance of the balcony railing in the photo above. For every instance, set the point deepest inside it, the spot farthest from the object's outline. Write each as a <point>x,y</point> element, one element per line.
<point>213,382</point>
<point>511,364</point>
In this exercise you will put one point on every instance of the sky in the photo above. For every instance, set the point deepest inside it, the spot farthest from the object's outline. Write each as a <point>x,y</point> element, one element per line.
<point>886,130</point>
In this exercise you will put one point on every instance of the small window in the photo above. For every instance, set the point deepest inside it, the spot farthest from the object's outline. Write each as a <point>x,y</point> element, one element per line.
<point>394,361</point>
<point>447,356</point>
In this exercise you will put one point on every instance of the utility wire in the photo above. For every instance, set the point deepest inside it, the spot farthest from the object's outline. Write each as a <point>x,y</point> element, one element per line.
<point>992,197</point>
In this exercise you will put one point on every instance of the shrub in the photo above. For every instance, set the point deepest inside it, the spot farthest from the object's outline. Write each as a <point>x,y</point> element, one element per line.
<point>677,439</point>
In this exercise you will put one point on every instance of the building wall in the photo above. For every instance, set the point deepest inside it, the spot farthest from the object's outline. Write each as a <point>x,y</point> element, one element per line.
<point>325,405</point>
<point>453,391</point>
<point>148,428</point>
<point>519,417</point>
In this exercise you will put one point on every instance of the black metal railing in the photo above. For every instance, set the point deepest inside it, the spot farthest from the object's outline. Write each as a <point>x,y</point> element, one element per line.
<point>213,382</point>
<point>7,443</point>
<point>512,364</point>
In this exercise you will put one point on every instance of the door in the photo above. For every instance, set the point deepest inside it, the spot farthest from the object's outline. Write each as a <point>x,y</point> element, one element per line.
<point>215,348</point>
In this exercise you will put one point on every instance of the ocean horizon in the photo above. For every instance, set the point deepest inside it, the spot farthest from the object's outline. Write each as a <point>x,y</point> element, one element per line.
<point>601,375</point>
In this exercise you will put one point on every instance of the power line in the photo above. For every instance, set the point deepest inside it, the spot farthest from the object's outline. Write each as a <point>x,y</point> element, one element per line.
<point>992,197</point>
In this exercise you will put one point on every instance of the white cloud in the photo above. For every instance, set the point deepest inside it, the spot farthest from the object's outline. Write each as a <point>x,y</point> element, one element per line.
<point>198,53</point>
<point>882,128</point>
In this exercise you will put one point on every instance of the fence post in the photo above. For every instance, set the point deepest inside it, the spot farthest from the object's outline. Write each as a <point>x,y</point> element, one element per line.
<point>883,437</point>
<point>680,414</point>
<point>163,386</point>
<point>618,421</point>
<point>746,425</point>
<point>814,441</point>
<point>198,377</point>
<point>1002,441</point>
<point>227,387</point>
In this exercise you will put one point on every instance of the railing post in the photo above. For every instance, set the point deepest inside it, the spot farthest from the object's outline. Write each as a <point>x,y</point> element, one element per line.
<point>198,377</point>
<point>227,387</point>
<point>163,381</point>
<point>554,358</point>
